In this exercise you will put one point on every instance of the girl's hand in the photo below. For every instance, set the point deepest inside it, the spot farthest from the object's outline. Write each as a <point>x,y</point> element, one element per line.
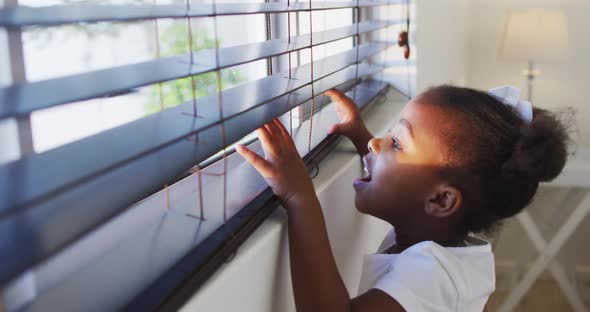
<point>282,167</point>
<point>351,124</point>
<point>348,113</point>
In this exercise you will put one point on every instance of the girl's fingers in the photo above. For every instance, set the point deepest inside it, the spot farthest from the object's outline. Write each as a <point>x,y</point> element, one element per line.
<point>266,140</point>
<point>333,93</point>
<point>342,102</point>
<point>335,128</point>
<point>337,96</point>
<point>259,163</point>
<point>279,124</point>
<point>273,128</point>
<point>276,134</point>
<point>286,136</point>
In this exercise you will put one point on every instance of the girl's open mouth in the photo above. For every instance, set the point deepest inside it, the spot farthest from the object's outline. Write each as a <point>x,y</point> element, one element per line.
<point>362,182</point>
<point>366,179</point>
<point>368,168</point>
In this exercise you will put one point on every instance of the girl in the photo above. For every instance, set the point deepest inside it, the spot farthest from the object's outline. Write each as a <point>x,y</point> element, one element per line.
<point>457,161</point>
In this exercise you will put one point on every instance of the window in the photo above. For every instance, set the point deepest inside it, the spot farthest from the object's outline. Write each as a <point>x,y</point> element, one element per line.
<point>91,47</point>
<point>111,197</point>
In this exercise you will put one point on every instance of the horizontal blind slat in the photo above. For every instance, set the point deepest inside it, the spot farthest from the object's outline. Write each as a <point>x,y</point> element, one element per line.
<point>88,13</point>
<point>23,99</point>
<point>101,152</point>
<point>55,223</point>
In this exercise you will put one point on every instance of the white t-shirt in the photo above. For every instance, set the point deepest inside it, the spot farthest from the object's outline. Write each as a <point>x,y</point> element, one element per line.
<point>430,277</point>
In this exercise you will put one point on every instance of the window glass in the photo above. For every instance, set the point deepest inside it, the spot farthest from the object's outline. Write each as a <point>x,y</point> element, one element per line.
<point>399,72</point>
<point>81,48</point>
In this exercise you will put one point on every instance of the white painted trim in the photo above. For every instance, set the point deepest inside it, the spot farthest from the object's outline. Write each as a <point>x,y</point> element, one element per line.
<point>16,139</point>
<point>12,69</point>
<point>16,72</point>
<point>8,128</point>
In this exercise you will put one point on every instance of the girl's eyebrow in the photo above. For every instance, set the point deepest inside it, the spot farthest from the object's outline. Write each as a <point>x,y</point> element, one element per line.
<point>407,124</point>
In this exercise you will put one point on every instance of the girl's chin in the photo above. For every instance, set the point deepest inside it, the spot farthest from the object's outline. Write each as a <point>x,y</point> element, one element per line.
<point>360,204</point>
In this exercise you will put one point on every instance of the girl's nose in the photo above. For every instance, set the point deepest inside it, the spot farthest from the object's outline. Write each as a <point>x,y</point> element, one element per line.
<point>374,145</point>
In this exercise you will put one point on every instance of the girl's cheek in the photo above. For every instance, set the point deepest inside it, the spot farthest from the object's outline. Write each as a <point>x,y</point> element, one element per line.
<point>392,163</point>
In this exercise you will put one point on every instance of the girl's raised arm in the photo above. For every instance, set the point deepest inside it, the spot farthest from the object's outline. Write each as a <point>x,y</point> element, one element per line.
<point>317,284</point>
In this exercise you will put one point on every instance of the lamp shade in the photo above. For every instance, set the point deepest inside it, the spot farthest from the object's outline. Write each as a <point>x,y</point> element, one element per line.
<point>534,35</point>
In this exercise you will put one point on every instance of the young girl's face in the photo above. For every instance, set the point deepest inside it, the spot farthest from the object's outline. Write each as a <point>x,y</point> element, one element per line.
<point>403,164</point>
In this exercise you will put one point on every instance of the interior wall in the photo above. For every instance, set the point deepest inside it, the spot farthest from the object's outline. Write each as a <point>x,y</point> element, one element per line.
<point>441,41</point>
<point>560,84</point>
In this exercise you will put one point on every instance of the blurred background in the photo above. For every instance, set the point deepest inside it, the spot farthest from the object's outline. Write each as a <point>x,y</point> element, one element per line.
<point>539,46</point>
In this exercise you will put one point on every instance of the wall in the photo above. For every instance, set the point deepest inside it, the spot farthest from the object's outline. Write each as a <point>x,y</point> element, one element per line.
<point>457,42</point>
<point>560,84</point>
<point>441,41</point>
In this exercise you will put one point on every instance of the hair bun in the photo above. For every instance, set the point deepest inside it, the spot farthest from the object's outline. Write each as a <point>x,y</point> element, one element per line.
<point>541,151</point>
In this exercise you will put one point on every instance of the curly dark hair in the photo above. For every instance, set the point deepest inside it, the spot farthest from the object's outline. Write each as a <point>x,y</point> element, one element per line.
<point>497,160</point>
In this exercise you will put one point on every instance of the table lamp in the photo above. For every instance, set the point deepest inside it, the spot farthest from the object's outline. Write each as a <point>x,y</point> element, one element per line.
<point>534,35</point>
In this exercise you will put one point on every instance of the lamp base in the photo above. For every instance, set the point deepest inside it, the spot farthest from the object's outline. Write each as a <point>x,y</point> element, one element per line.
<point>530,74</point>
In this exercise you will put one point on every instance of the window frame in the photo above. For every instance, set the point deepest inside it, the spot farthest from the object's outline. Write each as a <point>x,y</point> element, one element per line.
<point>15,72</point>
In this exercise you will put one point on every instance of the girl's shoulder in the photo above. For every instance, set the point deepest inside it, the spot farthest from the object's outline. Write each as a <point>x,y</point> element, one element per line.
<point>453,277</point>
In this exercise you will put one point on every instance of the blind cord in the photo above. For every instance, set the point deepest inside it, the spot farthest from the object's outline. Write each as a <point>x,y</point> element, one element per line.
<point>358,41</point>
<point>158,55</point>
<point>289,34</point>
<point>289,42</point>
<point>190,45</point>
<point>311,73</point>
<point>385,55</point>
<point>408,47</point>
<point>195,112</point>
<point>220,99</point>
<point>268,37</point>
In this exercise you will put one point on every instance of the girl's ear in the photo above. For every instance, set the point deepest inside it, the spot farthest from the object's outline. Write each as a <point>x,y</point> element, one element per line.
<point>444,201</point>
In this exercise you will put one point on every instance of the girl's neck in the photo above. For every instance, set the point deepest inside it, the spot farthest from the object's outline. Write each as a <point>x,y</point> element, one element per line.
<point>406,237</point>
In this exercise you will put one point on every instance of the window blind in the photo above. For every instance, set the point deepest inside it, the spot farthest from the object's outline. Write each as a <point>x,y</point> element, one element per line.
<point>58,15</point>
<point>52,199</point>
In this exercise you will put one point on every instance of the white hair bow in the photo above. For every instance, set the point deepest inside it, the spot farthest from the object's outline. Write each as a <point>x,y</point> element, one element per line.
<point>511,96</point>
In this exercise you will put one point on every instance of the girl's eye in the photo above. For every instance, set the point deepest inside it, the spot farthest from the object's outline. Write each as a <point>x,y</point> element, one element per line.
<point>396,146</point>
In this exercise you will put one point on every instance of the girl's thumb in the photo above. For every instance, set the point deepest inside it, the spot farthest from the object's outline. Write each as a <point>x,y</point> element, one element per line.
<point>335,128</point>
